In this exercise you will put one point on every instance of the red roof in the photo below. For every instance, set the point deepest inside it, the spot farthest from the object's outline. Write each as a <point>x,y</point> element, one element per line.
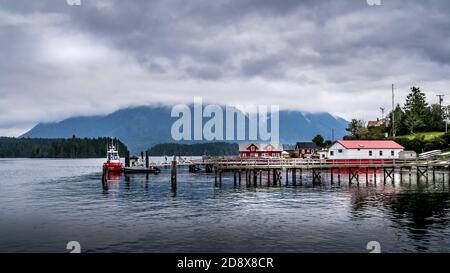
<point>370,144</point>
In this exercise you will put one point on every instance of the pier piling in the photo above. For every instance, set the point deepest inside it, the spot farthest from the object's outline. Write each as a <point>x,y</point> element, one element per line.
<point>215,178</point>
<point>339,176</point>
<point>173,176</point>
<point>127,159</point>
<point>104,178</point>
<point>287,176</point>
<point>294,177</point>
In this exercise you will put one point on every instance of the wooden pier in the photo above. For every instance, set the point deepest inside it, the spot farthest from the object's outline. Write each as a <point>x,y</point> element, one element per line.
<point>254,170</point>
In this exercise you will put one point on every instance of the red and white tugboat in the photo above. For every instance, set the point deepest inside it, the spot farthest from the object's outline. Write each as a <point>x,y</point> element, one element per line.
<point>112,163</point>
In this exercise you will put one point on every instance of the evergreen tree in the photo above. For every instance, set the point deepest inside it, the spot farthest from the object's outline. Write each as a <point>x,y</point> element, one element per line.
<point>417,113</point>
<point>416,102</point>
<point>354,127</point>
<point>319,141</point>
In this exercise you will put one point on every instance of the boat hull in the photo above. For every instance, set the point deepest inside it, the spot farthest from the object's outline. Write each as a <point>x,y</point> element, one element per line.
<point>113,167</point>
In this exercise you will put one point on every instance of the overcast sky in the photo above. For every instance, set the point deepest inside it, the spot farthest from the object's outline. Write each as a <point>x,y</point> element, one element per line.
<point>337,56</point>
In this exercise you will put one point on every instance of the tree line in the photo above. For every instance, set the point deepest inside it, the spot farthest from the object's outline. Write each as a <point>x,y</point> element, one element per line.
<point>57,148</point>
<point>198,149</point>
<point>415,115</point>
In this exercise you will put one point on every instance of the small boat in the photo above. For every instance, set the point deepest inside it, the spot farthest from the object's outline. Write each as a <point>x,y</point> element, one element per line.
<point>139,169</point>
<point>112,163</point>
<point>139,165</point>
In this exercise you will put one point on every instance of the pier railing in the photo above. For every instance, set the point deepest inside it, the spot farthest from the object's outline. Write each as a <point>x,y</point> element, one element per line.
<point>315,163</point>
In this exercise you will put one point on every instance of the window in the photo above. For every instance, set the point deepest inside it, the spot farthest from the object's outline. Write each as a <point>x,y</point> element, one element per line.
<point>370,153</point>
<point>332,153</point>
<point>381,153</point>
<point>340,151</point>
<point>392,153</point>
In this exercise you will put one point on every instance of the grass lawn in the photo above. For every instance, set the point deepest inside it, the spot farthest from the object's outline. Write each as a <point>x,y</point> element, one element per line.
<point>427,135</point>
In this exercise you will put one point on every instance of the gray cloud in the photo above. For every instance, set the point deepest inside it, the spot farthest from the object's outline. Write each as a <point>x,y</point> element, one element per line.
<point>337,56</point>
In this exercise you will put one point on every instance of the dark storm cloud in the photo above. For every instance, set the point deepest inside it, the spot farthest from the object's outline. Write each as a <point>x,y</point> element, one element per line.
<point>330,55</point>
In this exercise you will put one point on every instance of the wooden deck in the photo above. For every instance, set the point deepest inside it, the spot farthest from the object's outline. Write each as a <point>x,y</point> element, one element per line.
<point>273,169</point>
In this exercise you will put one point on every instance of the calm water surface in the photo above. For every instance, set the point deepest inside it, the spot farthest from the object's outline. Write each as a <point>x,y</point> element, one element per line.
<point>46,203</point>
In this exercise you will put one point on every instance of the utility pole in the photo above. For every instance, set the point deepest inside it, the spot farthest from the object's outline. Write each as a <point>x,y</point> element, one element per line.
<point>441,99</point>
<point>382,113</point>
<point>447,112</point>
<point>393,112</point>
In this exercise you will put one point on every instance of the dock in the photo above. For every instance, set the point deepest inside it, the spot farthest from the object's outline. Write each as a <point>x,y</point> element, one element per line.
<point>253,170</point>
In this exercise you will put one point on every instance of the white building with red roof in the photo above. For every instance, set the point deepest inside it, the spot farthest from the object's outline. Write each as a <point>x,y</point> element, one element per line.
<point>370,150</point>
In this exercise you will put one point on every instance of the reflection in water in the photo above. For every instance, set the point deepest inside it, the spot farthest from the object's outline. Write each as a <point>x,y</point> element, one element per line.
<point>415,208</point>
<point>419,211</point>
<point>58,201</point>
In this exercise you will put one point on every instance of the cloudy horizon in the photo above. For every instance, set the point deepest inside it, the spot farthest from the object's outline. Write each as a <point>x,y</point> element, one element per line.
<point>336,56</point>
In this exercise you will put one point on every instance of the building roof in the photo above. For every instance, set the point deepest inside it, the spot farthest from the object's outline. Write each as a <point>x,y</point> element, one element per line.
<point>261,146</point>
<point>306,145</point>
<point>375,123</point>
<point>370,144</point>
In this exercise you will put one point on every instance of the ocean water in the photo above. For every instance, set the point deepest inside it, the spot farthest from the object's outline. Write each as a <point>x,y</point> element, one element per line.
<point>45,203</point>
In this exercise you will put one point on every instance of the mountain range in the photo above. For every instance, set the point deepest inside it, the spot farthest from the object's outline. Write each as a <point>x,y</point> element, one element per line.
<point>143,127</point>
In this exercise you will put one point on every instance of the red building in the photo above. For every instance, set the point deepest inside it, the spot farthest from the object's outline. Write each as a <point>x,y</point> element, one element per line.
<point>260,149</point>
<point>306,149</point>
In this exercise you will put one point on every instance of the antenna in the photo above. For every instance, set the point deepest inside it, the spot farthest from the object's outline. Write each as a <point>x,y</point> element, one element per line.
<point>393,112</point>
<point>441,100</point>
<point>382,112</point>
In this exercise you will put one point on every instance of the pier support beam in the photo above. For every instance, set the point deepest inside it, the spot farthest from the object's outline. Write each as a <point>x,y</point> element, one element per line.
<point>173,176</point>
<point>339,176</point>
<point>375,170</point>
<point>287,176</point>
<point>434,174</point>
<point>389,173</point>
<point>317,176</point>
<point>353,175</point>
<point>367,176</point>
<point>301,177</point>
<point>422,171</point>
<point>127,159</point>
<point>105,178</point>
<point>332,176</point>
<point>294,177</point>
